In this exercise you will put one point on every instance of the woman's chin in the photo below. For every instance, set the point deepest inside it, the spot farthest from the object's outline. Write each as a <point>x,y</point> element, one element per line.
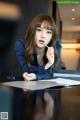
<point>41,46</point>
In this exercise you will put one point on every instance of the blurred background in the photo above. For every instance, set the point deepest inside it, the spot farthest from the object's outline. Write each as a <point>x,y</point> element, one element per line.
<point>15,15</point>
<point>70,16</point>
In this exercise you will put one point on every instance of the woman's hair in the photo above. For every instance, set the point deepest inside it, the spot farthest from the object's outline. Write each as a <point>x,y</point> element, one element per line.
<point>30,44</point>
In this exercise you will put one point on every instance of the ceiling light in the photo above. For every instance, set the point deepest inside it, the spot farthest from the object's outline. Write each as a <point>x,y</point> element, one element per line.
<point>73,9</point>
<point>73,18</point>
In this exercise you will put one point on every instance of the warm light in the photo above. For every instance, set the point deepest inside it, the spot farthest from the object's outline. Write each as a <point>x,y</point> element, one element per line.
<point>73,18</point>
<point>71,28</point>
<point>8,10</point>
<point>71,46</point>
<point>73,9</point>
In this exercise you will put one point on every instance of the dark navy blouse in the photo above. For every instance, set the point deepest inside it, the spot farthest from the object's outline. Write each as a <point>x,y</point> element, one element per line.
<point>40,72</point>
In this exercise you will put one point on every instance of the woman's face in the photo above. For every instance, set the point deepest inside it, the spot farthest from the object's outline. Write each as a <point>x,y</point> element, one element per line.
<point>42,36</point>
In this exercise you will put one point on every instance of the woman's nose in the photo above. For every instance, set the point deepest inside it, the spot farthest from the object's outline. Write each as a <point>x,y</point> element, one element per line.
<point>43,34</point>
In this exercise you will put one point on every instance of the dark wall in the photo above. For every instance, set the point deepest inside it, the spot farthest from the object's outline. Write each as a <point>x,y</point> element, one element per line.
<point>7,52</point>
<point>29,9</point>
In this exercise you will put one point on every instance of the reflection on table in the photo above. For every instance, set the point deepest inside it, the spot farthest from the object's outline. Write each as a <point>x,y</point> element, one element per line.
<point>37,106</point>
<point>46,104</point>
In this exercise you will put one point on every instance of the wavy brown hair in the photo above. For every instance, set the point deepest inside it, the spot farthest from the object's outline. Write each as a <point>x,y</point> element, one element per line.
<point>30,44</point>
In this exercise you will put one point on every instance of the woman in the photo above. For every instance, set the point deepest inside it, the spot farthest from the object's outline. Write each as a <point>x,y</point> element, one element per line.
<point>36,53</point>
<point>37,58</point>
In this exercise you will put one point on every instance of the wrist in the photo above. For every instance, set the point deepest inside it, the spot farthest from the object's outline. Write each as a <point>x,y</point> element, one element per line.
<point>48,65</point>
<point>35,76</point>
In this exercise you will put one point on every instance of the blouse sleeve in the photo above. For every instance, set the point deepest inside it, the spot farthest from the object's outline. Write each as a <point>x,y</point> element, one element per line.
<point>19,48</point>
<point>40,72</point>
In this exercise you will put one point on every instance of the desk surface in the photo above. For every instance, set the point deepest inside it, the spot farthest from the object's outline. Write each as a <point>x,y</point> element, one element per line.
<point>47,104</point>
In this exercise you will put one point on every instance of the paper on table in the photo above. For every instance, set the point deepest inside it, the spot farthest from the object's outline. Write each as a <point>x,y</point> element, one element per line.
<point>31,85</point>
<point>42,84</point>
<point>65,82</point>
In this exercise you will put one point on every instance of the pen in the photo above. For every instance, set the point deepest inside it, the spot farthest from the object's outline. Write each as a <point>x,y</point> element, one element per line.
<point>47,46</point>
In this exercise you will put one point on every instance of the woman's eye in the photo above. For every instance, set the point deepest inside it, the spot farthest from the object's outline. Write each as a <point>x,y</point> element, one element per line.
<point>49,32</point>
<point>38,29</point>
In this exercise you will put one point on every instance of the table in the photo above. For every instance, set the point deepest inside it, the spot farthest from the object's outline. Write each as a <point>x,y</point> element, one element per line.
<point>46,104</point>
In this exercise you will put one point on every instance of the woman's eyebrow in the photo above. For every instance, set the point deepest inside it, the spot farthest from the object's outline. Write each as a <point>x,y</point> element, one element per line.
<point>45,28</point>
<point>49,29</point>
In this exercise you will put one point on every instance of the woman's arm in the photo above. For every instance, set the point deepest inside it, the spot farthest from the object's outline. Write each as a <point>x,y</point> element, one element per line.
<point>39,71</point>
<point>20,48</point>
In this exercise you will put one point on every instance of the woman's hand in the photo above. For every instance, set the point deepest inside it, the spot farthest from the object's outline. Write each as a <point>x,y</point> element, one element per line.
<point>50,57</point>
<point>29,76</point>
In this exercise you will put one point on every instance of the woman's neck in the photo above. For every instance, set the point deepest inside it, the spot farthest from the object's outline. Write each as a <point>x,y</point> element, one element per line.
<point>40,50</point>
<point>40,54</point>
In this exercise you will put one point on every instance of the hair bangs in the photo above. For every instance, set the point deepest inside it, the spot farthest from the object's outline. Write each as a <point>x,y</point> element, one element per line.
<point>47,20</point>
<point>46,24</point>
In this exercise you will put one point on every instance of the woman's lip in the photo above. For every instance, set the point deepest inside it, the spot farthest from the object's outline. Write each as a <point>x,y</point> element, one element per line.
<point>41,41</point>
